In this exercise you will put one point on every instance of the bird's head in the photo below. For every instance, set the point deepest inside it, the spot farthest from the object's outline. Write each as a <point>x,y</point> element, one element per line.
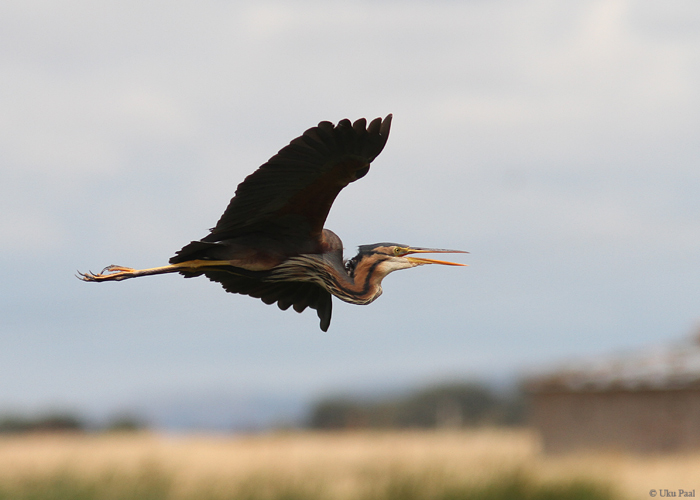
<point>384,258</point>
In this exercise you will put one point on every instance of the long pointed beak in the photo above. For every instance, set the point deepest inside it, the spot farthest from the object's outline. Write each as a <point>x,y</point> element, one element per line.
<point>419,260</point>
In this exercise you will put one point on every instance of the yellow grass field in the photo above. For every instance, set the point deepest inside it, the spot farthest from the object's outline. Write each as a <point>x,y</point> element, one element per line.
<point>339,462</point>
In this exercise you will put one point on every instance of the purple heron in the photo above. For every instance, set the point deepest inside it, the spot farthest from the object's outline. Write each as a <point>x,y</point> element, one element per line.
<point>270,242</point>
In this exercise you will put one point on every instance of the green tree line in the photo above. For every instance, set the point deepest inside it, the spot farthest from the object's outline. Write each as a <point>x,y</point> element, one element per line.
<point>451,405</point>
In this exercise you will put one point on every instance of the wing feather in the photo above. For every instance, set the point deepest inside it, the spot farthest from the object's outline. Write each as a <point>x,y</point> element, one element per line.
<point>297,294</point>
<point>279,211</point>
<point>296,188</point>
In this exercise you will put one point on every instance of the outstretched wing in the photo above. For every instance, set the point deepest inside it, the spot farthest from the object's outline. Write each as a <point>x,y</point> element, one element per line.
<point>292,193</point>
<point>296,294</point>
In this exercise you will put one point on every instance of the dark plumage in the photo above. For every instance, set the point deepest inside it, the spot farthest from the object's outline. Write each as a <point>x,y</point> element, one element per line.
<point>270,242</point>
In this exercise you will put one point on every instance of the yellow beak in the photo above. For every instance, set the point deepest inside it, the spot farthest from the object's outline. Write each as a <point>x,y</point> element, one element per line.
<point>419,260</point>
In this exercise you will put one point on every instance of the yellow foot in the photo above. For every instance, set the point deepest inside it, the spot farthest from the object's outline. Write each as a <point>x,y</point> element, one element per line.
<point>116,273</point>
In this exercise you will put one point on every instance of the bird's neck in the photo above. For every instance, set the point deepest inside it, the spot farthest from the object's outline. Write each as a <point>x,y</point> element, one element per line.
<point>361,287</point>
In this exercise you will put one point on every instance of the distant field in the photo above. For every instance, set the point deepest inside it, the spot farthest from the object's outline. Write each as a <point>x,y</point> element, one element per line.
<point>367,465</point>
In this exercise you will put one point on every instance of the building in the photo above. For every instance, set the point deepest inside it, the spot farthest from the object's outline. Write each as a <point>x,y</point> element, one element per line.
<point>646,402</point>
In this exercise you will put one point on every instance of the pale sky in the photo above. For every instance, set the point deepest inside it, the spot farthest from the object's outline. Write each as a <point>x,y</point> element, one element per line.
<point>557,142</point>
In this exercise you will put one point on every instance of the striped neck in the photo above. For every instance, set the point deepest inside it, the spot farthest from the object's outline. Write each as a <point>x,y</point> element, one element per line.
<point>359,285</point>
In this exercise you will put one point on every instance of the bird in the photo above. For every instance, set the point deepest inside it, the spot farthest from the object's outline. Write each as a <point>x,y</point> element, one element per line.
<point>270,242</point>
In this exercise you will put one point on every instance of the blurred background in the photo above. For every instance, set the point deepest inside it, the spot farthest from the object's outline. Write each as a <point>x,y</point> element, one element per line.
<point>556,142</point>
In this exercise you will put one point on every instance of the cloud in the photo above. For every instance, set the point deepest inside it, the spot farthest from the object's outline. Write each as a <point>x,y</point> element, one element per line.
<point>544,137</point>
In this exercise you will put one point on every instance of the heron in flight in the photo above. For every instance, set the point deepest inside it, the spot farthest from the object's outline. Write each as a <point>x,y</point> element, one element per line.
<point>270,242</point>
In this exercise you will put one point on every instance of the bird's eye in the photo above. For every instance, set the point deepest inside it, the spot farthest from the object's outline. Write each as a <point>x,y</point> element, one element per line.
<point>398,250</point>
